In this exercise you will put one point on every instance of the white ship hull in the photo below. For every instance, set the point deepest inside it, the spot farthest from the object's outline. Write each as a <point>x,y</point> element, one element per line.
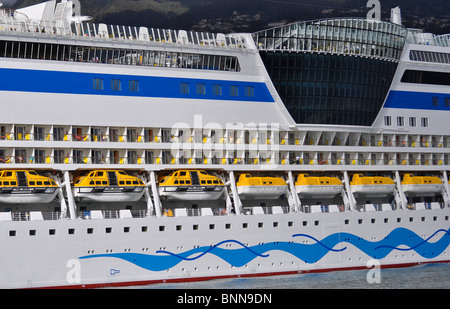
<point>180,254</point>
<point>422,190</point>
<point>111,105</point>
<point>191,194</point>
<point>372,190</point>
<point>27,198</point>
<point>261,192</point>
<point>323,191</point>
<point>114,195</point>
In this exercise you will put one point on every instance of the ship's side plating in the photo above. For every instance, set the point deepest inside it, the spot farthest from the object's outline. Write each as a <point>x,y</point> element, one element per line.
<point>80,97</point>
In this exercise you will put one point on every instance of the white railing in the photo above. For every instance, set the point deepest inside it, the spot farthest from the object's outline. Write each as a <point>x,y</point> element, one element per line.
<point>9,22</point>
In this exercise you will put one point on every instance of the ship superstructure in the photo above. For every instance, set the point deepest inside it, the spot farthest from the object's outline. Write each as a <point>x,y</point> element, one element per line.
<point>184,155</point>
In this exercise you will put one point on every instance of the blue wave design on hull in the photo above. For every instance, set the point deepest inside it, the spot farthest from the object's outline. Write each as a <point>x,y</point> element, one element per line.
<point>400,239</point>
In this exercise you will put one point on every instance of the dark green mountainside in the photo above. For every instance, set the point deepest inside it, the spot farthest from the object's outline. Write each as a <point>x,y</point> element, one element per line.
<point>252,15</point>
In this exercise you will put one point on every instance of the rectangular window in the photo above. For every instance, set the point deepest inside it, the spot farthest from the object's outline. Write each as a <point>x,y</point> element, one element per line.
<point>217,89</point>
<point>387,120</point>
<point>249,91</point>
<point>133,85</point>
<point>400,121</point>
<point>116,85</point>
<point>435,101</point>
<point>412,121</point>
<point>98,84</point>
<point>424,122</point>
<point>201,89</point>
<point>184,88</point>
<point>447,102</point>
<point>234,90</point>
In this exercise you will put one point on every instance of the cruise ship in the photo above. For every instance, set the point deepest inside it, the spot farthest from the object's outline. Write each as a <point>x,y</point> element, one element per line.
<point>131,156</point>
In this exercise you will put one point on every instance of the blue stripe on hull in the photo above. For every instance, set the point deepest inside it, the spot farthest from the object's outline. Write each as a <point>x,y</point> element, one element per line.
<point>418,100</point>
<point>149,86</point>
<point>400,239</point>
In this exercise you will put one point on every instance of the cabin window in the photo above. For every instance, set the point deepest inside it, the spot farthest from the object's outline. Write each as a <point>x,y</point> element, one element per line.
<point>51,232</point>
<point>108,230</point>
<point>90,230</point>
<point>71,231</point>
<point>32,232</point>
<point>12,233</point>
<point>387,120</point>
<point>234,90</point>
<point>182,173</point>
<point>201,89</point>
<point>98,83</point>
<point>184,88</point>
<point>116,85</point>
<point>134,85</point>
<point>249,91</point>
<point>217,89</point>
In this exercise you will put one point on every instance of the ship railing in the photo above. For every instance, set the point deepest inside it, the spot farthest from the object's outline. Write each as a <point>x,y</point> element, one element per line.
<point>13,23</point>
<point>23,134</point>
<point>265,210</point>
<point>28,216</point>
<point>418,37</point>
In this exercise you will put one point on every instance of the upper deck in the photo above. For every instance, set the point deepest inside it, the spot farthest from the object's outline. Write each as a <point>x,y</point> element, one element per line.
<point>51,20</point>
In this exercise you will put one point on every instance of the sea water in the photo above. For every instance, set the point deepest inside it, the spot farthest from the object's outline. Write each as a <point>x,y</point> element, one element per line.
<point>426,276</point>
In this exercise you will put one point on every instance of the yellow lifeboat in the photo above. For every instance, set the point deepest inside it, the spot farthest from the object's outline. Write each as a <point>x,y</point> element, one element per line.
<point>191,185</point>
<point>317,186</point>
<point>249,187</point>
<point>421,185</point>
<point>371,186</point>
<point>108,186</point>
<point>26,186</point>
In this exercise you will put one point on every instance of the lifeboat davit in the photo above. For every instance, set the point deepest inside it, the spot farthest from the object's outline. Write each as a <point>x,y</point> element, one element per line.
<point>26,186</point>
<point>108,186</point>
<point>421,185</point>
<point>191,185</point>
<point>371,186</point>
<point>250,187</point>
<point>317,186</point>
